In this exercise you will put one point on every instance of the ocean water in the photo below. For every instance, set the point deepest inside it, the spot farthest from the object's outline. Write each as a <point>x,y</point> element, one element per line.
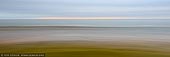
<point>103,30</point>
<point>95,23</point>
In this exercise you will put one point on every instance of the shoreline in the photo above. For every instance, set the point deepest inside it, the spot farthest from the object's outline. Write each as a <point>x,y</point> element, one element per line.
<point>36,33</point>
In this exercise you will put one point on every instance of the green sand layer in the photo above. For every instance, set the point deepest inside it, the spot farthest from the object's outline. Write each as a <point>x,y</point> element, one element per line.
<point>85,49</point>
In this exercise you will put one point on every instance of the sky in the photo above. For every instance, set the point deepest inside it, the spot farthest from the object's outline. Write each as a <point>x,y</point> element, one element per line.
<point>84,9</point>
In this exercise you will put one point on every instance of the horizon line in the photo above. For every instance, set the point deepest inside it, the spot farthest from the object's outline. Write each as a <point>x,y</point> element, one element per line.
<point>92,18</point>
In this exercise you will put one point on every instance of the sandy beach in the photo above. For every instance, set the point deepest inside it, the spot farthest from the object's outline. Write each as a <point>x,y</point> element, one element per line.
<point>107,41</point>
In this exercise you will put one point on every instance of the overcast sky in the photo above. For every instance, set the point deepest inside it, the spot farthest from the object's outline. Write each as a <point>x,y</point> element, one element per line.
<point>25,9</point>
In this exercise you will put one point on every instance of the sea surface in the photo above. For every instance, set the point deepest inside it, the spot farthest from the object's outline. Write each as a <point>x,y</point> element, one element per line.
<point>94,23</point>
<point>94,30</point>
